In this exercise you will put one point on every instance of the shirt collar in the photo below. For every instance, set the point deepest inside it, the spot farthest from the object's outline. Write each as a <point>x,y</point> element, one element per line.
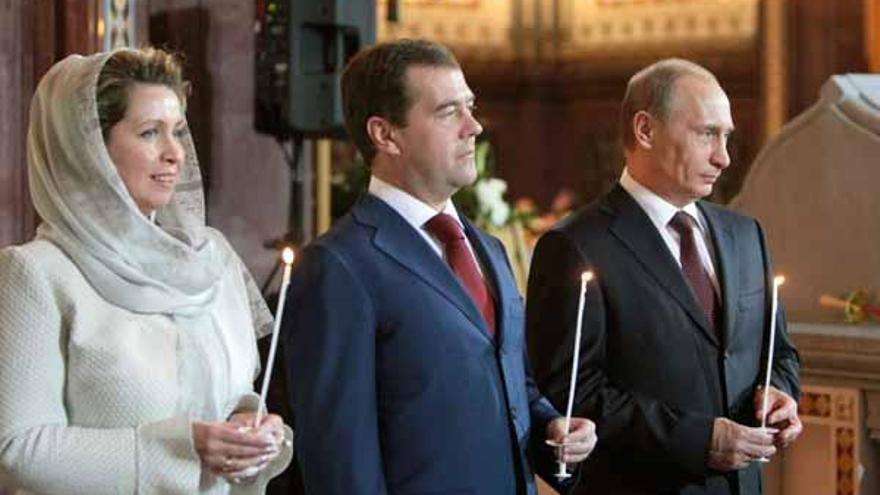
<point>658,209</point>
<point>412,209</point>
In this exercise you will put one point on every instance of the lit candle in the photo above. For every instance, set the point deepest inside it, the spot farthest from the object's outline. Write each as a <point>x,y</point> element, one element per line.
<point>774,307</point>
<point>585,277</point>
<point>287,256</point>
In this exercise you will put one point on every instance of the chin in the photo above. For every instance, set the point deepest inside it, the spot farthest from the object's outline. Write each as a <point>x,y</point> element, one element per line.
<point>702,191</point>
<point>471,176</point>
<point>154,205</point>
<point>469,181</point>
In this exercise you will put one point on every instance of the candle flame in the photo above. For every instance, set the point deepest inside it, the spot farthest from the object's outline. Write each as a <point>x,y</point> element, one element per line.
<point>586,276</point>
<point>287,255</point>
<point>778,280</point>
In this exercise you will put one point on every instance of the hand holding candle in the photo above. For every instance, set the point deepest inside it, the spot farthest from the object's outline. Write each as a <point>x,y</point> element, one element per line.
<point>287,257</point>
<point>585,278</point>
<point>774,308</point>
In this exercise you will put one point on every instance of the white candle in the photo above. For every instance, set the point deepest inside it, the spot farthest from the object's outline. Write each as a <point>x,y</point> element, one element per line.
<point>576,350</point>
<point>287,256</point>
<point>774,307</point>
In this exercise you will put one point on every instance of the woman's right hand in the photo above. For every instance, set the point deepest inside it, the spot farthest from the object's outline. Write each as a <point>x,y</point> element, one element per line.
<point>232,451</point>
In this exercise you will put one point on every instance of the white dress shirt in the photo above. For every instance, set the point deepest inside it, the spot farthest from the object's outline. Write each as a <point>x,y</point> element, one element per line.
<point>661,212</point>
<point>417,213</point>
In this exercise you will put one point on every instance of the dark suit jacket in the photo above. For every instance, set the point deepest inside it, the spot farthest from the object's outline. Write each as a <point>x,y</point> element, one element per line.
<point>395,383</point>
<point>653,374</point>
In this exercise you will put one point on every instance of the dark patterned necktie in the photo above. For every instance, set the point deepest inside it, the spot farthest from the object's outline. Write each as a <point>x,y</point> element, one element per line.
<point>693,269</point>
<point>463,263</point>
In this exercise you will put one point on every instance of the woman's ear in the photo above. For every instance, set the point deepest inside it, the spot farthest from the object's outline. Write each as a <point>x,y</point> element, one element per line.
<point>383,135</point>
<point>643,126</point>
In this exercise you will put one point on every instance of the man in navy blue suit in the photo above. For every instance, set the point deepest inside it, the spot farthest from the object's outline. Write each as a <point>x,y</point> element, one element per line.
<point>403,333</point>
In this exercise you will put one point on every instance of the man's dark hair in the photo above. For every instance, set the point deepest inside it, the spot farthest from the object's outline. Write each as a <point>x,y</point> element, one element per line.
<point>374,84</point>
<point>651,90</point>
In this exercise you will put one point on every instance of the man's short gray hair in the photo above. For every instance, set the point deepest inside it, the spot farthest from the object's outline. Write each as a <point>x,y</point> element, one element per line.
<point>652,89</point>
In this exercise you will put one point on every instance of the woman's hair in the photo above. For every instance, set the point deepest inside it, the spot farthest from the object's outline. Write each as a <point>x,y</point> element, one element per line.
<point>127,67</point>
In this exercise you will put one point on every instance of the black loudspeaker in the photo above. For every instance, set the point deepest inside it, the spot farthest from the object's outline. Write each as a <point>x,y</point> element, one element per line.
<point>301,48</point>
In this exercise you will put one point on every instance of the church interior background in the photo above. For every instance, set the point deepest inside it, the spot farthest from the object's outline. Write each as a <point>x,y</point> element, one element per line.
<point>549,76</point>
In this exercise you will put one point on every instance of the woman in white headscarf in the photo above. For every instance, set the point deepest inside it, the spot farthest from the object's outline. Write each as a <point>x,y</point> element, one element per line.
<point>127,327</point>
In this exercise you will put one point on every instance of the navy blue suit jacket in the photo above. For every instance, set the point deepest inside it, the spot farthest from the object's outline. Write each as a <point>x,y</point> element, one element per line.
<point>395,383</point>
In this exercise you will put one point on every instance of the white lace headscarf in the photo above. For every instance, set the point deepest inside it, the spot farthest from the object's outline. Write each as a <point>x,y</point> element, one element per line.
<point>172,267</point>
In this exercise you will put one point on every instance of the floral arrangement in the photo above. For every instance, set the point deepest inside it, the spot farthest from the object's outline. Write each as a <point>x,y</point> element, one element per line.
<point>857,306</point>
<point>518,227</point>
<point>483,201</point>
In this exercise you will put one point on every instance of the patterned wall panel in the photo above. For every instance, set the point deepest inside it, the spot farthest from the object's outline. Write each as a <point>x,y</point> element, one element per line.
<point>625,25</point>
<point>559,30</point>
<point>839,412</point>
<point>473,28</point>
<point>120,23</point>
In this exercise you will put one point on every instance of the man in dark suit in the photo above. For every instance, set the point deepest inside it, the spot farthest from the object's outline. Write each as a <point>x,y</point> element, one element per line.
<point>404,330</point>
<point>676,325</point>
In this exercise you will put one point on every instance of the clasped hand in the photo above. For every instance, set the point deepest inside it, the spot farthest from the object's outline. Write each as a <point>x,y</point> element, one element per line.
<point>735,446</point>
<point>234,449</point>
<point>781,413</point>
<point>577,444</point>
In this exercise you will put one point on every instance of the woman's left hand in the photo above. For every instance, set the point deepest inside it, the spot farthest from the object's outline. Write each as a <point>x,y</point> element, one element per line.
<point>271,428</point>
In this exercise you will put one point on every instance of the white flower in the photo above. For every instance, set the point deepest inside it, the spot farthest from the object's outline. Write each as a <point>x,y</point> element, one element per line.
<point>491,202</point>
<point>500,214</point>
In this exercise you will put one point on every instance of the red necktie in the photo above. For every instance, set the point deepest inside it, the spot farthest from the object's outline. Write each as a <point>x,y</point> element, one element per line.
<point>693,269</point>
<point>463,263</point>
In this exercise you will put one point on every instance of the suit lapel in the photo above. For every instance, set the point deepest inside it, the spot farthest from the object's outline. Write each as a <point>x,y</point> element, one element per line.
<point>725,268</point>
<point>397,240</point>
<point>492,263</point>
<point>635,230</point>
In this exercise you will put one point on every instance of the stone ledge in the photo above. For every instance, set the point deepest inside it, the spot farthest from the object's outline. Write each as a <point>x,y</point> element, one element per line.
<point>842,355</point>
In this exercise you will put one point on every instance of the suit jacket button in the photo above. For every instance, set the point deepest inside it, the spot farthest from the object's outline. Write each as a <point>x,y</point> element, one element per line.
<point>726,354</point>
<point>513,413</point>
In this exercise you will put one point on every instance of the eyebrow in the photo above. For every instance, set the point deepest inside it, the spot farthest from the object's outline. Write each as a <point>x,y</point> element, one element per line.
<point>179,123</point>
<point>717,128</point>
<point>451,103</point>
